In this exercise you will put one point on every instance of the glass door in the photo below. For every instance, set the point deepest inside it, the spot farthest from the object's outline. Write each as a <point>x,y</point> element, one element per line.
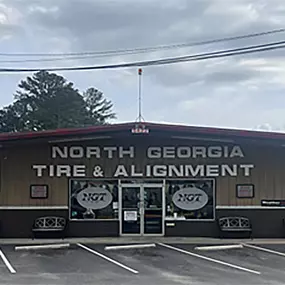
<point>153,210</point>
<point>141,209</point>
<point>131,210</point>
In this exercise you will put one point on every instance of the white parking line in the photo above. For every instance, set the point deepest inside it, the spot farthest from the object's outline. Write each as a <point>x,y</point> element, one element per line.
<point>129,246</point>
<point>263,249</point>
<point>107,258</point>
<point>7,263</point>
<point>210,259</point>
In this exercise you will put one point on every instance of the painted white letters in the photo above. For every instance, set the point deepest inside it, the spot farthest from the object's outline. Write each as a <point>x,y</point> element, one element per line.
<point>166,157</point>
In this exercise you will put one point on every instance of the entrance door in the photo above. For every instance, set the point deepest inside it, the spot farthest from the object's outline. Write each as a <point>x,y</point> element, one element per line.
<point>141,209</point>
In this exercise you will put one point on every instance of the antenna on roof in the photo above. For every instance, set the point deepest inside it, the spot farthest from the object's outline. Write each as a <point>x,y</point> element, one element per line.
<point>140,126</point>
<point>140,117</point>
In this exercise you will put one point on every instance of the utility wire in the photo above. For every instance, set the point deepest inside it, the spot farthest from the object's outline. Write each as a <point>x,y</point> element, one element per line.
<point>80,55</point>
<point>171,60</point>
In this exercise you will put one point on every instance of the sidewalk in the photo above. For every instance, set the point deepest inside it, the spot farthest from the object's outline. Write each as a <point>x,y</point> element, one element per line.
<point>135,240</point>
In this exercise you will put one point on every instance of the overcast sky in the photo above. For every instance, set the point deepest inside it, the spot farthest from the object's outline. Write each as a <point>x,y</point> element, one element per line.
<point>239,92</point>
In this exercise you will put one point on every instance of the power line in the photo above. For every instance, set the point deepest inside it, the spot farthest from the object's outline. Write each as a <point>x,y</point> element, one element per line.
<point>94,54</point>
<point>171,60</point>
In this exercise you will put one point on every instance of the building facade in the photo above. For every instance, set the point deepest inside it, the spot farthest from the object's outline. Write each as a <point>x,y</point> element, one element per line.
<point>146,179</point>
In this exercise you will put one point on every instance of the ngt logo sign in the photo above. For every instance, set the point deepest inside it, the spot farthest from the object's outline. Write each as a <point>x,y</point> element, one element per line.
<point>94,198</point>
<point>191,198</point>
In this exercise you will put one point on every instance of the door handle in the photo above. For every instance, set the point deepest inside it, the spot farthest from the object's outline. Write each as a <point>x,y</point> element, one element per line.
<point>141,208</point>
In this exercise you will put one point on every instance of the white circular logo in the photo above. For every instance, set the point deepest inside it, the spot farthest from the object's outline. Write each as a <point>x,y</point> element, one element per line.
<point>191,198</point>
<point>94,198</point>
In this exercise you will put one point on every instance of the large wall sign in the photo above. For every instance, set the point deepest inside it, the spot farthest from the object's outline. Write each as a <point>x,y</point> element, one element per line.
<point>155,166</point>
<point>191,198</point>
<point>151,152</point>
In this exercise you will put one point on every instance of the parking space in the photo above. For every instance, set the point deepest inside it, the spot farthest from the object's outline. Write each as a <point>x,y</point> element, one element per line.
<point>174,267</point>
<point>268,263</point>
<point>275,248</point>
<point>60,266</point>
<point>164,264</point>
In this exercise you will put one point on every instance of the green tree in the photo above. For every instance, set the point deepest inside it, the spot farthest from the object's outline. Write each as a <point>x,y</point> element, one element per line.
<point>99,108</point>
<point>9,119</point>
<point>48,101</point>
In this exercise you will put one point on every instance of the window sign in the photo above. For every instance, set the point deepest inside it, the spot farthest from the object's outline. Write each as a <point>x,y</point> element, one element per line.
<point>130,215</point>
<point>94,198</point>
<point>91,199</point>
<point>190,199</point>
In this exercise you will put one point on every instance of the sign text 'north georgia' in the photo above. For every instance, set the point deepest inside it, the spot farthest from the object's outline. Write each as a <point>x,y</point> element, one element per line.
<point>172,154</point>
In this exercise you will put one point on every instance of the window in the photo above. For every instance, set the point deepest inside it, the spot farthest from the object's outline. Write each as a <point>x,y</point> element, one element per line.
<point>190,199</point>
<point>93,199</point>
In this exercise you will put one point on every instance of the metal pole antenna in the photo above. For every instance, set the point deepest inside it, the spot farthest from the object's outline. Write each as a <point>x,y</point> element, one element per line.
<point>140,117</point>
<point>140,127</point>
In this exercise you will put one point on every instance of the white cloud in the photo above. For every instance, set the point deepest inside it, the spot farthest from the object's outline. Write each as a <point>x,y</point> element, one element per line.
<point>244,91</point>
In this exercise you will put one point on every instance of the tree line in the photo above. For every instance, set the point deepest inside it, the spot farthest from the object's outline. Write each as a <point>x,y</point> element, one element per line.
<point>46,101</point>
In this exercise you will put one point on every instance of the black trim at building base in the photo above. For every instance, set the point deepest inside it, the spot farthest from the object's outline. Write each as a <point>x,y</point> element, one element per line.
<point>266,223</point>
<point>19,223</point>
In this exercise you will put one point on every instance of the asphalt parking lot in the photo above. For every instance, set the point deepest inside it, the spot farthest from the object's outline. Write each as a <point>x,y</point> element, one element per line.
<point>163,264</point>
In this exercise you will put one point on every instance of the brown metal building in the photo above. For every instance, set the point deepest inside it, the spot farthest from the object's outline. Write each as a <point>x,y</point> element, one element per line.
<point>146,179</point>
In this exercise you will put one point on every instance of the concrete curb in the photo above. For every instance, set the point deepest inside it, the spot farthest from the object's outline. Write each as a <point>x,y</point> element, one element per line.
<point>109,241</point>
<point>219,247</point>
<point>139,240</point>
<point>39,247</point>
